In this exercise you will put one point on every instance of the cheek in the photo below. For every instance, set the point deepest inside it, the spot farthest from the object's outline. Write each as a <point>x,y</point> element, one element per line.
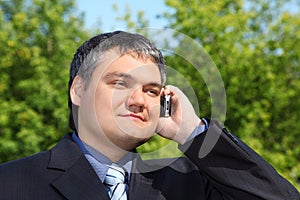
<point>103,96</point>
<point>155,109</point>
<point>107,102</point>
<point>102,104</point>
<point>117,99</point>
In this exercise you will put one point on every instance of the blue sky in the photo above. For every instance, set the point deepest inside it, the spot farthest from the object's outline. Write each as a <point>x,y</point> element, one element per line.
<point>102,10</point>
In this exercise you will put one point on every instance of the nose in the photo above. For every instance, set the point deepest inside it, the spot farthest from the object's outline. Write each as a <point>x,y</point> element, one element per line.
<point>136,101</point>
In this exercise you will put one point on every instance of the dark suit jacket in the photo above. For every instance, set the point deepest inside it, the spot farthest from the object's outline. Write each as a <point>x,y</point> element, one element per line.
<point>229,171</point>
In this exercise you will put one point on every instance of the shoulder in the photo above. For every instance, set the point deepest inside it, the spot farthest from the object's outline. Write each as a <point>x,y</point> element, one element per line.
<point>23,173</point>
<point>24,165</point>
<point>31,163</point>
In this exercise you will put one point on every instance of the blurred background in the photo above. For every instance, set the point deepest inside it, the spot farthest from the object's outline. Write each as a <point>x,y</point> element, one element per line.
<point>253,43</point>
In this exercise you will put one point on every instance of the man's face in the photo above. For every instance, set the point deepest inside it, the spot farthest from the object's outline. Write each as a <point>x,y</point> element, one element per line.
<point>121,103</point>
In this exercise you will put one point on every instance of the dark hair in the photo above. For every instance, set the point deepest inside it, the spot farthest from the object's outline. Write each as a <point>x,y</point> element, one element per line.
<point>90,53</point>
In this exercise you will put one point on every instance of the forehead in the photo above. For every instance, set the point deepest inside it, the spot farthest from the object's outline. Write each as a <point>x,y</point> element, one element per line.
<point>142,69</point>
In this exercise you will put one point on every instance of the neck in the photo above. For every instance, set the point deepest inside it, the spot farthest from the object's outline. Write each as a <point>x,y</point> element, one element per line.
<point>105,147</point>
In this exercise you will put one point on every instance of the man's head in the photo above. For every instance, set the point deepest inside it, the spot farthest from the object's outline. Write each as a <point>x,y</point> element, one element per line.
<point>115,85</point>
<point>90,53</point>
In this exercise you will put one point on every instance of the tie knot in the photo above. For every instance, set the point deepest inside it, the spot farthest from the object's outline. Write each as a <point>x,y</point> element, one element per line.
<point>115,175</point>
<point>115,180</point>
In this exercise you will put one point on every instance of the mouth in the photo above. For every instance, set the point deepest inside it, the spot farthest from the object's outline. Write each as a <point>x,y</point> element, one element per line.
<point>134,116</point>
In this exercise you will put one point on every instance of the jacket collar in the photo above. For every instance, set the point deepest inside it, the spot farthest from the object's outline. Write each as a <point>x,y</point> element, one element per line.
<point>77,179</point>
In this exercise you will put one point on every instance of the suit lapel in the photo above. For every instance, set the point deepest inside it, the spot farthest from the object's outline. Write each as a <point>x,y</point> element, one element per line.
<point>80,182</point>
<point>77,179</point>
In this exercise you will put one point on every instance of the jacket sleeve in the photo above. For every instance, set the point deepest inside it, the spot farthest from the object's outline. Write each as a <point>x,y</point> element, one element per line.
<point>234,168</point>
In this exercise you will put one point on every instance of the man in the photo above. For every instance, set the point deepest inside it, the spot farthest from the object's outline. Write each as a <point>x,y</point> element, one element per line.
<point>116,83</point>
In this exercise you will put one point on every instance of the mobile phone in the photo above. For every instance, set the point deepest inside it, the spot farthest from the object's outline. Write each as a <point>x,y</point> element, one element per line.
<point>165,106</point>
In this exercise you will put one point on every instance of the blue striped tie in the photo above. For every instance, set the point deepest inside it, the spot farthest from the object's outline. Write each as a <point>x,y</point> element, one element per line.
<point>115,180</point>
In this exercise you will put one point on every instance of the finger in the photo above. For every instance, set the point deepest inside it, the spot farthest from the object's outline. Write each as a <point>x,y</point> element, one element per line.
<point>167,90</point>
<point>173,91</point>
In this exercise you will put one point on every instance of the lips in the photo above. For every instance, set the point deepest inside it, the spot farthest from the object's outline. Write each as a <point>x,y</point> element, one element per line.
<point>134,116</point>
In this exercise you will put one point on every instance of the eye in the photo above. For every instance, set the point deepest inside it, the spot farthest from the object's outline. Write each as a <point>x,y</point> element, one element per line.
<point>120,84</point>
<point>152,89</point>
<point>152,92</point>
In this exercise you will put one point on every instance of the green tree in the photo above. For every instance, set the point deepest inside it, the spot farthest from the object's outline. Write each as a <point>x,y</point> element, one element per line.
<point>37,40</point>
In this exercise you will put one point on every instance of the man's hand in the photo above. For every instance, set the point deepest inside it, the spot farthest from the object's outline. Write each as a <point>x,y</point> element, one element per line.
<point>183,119</point>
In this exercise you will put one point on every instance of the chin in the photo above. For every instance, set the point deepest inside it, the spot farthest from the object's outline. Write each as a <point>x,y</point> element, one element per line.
<point>133,142</point>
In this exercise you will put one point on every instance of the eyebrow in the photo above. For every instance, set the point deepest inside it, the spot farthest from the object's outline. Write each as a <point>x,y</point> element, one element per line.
<point>130,78</point>
<point>154,84</point>
<point>119,75</point>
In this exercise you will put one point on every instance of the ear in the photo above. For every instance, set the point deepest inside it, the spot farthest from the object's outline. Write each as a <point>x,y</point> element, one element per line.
<point>76,90</point>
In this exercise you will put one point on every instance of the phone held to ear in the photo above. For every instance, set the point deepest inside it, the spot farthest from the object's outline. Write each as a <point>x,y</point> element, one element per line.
<point>165,106</point>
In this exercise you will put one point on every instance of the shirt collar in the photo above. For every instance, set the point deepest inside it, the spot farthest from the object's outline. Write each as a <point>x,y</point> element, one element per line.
<point>99,162</point>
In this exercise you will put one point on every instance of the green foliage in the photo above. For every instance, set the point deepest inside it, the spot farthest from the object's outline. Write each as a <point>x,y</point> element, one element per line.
<point>37,40</point>
<point>139,20</point>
